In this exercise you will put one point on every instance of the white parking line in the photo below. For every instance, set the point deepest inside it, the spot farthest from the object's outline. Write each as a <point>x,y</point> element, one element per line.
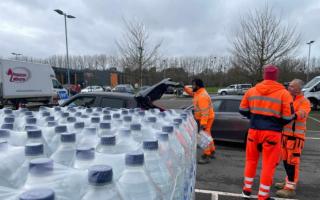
<point>215,194</point>
<point>315,119</point>
<point>313,131</point>
<point>312,138</point>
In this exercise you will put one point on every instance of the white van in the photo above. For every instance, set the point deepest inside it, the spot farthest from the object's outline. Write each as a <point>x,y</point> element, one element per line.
<point>312,91</point>
<point>23,82</point>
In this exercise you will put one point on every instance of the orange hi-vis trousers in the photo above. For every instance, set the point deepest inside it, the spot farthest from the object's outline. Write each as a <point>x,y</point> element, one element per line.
<point>268,143</point>
<point>211,148</point>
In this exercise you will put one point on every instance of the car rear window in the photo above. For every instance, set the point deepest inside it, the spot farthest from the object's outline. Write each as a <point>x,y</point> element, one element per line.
<point>83,101</point>
<point>230,106</point>
<point>112,103</point>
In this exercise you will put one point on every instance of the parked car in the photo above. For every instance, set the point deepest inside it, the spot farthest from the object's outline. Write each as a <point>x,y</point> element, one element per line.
<point>312,91</point>
<point>229,124</point>
<point>236,89</point>
<point>94,88</point>
<point>170,90</point>
<point>124,88</point>
<point>107,88</point>
<point>144,99</point>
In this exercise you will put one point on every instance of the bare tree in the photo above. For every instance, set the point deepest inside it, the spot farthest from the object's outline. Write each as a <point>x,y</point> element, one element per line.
<point>135,50</point>
<point>262,39</point>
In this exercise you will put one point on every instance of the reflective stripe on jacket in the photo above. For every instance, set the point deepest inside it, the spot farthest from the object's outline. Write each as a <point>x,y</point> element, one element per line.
<point>268,105</point>
<point>298,127</point>
<point>203,109</point>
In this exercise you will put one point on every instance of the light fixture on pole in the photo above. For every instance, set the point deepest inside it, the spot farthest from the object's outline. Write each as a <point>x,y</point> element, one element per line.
<point>308,66</point>
<point>60,12</point>
<point>16,54</point>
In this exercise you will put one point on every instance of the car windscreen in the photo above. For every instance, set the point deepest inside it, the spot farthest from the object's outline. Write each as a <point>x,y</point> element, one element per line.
<point>112,102</point>
<point>229,105</point>
<point>312,82</point>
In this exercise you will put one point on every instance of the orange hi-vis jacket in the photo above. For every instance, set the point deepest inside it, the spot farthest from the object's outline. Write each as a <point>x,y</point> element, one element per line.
<point>268,105</point>
<point>297,128</point>
<point>203,109</point>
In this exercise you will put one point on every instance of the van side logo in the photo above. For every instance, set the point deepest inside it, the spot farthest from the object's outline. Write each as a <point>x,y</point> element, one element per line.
<point>18,74</point>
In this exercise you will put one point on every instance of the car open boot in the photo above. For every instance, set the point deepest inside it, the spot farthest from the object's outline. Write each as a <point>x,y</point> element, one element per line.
<point>286,193</point>
<point>279,186</point>
<point>205,159</point>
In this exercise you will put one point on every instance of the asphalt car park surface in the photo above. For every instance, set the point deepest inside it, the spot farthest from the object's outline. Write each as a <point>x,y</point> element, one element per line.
<point>222,178</point>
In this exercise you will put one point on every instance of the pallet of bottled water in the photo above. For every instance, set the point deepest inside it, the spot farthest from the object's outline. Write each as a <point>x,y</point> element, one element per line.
<point>77,153</point>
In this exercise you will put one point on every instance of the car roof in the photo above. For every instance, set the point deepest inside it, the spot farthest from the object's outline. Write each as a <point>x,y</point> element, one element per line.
<point>227,97</point>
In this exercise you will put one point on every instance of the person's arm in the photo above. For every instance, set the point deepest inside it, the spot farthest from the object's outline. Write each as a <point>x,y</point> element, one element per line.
<point>244,108</point>
<point>303,110</point>
<point>188,90</point>
<point>288,113</point>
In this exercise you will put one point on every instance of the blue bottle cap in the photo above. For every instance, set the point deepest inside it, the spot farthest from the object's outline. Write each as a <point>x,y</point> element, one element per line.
<point>60,129</point>
<point>37,133</point>
<point>40,166</point>
<point>116,116</point>
<point>127,118</point>
<point>84,116</point>
<point>107,117</point>
<point>89,110</point>
<point>98,109</point>
<point>108,140</point>
<point>85,153</point>
<point>7,111</point>
<point>106,112</point>
<point>131,110</point>
<point>4,133</point>
<point>152,119</point>
<point>150,144</point>
<point>95,119</point>
<point>7,126</point>
<point>23,110</point>
<point>135,127</point>
<point>78,114</point>
<point>124,132</point>
<point>79,125</point>
<point>167,129</point>
<point>134,158</point>
<point>49,119</point>
<point>105,125</point>
<point>51,124</point>
<point>31,120</point>
<point>100,175</point>
<point>141,113</point>
<point>57,108</point>
<point>33,149</point>
<point>163,136</point>
<point>30,127</point>
<point>45,114</point>
<point>71,109</point>
<point>38,194</point>
<point>68,137</point>
<point>178,120</point>
<point>71,119</point>
<point>162,114</point>
<point>28,113</point>
<point>124,112</point>
<point>9,120</point>
<point>65,115</point>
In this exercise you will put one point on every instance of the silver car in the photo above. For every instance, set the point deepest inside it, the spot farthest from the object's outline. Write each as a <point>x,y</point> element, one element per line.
<point>236,89</point>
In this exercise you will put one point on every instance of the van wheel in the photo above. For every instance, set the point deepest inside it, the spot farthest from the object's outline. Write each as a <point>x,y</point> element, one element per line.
<point>223,93</point>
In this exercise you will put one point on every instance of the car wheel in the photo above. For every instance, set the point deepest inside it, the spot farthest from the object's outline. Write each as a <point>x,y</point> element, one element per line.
<point>223,93</point>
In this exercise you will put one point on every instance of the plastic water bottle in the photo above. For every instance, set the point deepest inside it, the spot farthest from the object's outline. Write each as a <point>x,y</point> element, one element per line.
<point>10,159</point>
<point>125,141</point>
<point>127,120</point>
<point>77,128</point>
<point>5,135</point>
<point>65,153</point>
<point>55,140</point>
<point>9,120</point>
<point>66,182</point>
<point>35,136</point>
<point>8,126</point>
<point>134,182</point>
<point>38,194</point>
<point>170,158</point>
<point>85,157</point>
<point>95,122</point>
<point>105,129</point>
<point>32,151</point>
<point>136,132</point>
<point>85,118</point>
<point>101,185</point>
<point>106,118</point>
<point>8,193</point>
<point>89,137</point>
<point>157,170</point>
<point>109,154</point>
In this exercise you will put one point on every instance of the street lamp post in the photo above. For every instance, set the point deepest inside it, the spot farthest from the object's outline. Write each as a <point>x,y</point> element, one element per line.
<point>16,54</point>
<point>60,12</point>
<point>308,66</point>
<point>164,68</point>
<point>140,63</point>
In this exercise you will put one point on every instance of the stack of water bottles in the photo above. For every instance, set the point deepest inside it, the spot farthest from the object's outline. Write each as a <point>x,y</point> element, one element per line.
<point>78,153</point>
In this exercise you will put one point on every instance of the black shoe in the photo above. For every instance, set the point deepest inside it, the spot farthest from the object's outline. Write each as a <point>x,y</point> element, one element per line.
<point>204,159</point>
<point>246,194</point>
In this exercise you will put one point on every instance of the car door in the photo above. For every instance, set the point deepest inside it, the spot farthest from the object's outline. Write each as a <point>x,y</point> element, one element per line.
<point>232,89</point>
<point>112,102</point>
<point>229,124</point>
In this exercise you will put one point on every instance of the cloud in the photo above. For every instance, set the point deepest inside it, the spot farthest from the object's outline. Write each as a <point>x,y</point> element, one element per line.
<point>190,27</point>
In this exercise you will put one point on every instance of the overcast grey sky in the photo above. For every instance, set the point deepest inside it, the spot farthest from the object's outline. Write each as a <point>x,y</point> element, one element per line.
<point>187,27</point>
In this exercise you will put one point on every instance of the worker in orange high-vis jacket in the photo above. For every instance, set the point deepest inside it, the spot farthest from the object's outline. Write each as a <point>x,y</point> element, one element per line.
<point>269,107</point>
<point>204,115</point>
<point>293,138</point>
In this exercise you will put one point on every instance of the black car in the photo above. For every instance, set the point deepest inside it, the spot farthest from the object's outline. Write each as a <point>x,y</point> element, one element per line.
<point>144,99</point>
<point>229,124</point>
